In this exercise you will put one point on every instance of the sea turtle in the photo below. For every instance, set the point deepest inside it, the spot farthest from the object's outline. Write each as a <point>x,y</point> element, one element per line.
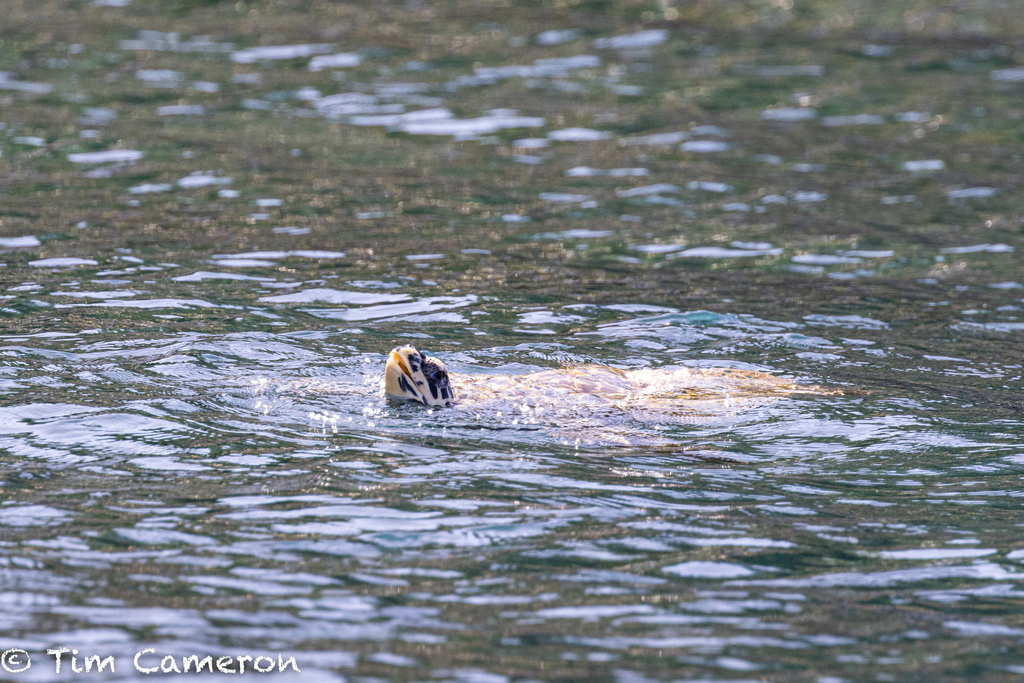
<point>582,405</point>
<point>595,393</point>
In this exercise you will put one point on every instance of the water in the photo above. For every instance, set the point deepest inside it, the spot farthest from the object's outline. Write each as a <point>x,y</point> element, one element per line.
<point>216,219</point>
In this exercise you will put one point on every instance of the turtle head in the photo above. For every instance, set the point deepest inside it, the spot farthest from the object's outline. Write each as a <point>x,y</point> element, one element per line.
<point>413,376</point>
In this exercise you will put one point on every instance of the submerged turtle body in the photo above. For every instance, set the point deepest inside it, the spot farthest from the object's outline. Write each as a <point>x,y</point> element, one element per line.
<point>605,396</point>
<point>615,385</point>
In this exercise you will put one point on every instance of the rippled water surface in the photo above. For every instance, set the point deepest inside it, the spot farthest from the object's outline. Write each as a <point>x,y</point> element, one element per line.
<point>217,218</point>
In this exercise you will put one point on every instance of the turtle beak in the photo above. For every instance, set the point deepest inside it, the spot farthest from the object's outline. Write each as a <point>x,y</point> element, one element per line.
<point>397,359</point>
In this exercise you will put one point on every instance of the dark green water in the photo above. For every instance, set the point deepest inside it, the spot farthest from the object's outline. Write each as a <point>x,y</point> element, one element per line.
<point>194,323</point>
